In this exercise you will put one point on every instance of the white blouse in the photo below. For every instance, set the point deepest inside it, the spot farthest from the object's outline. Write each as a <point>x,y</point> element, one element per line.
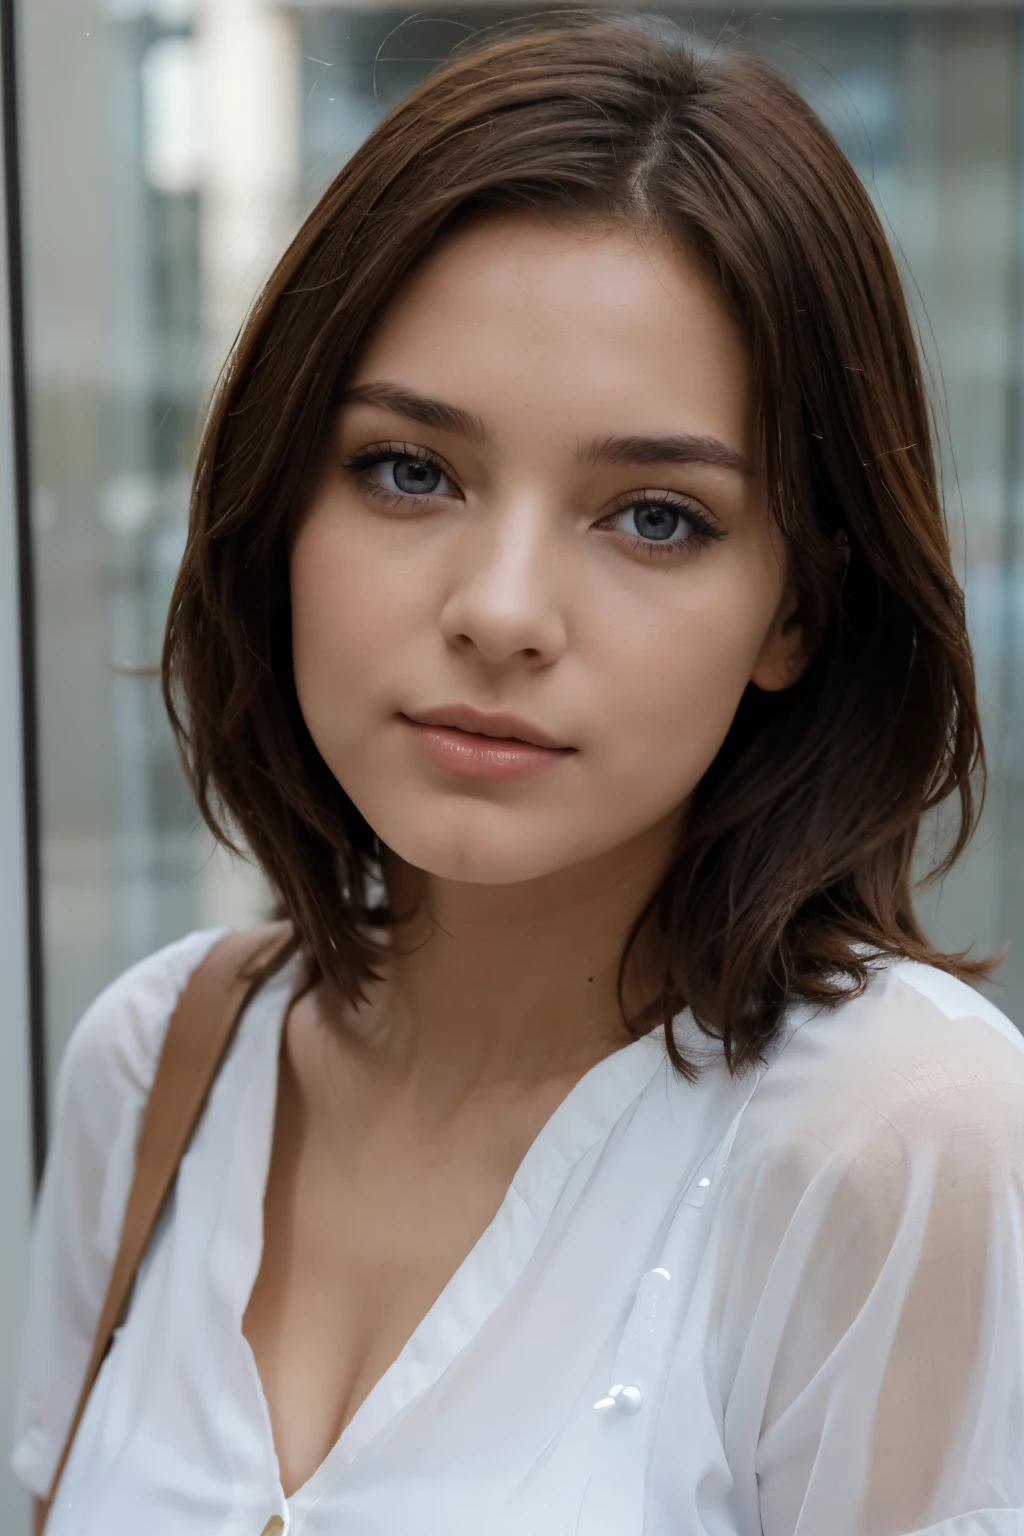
<point>791,1304</point>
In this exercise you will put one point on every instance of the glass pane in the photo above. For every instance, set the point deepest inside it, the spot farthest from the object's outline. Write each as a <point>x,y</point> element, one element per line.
<point>172,146</point>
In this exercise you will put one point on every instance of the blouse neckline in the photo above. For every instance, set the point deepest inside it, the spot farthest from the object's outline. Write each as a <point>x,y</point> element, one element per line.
<point>586,1115</point>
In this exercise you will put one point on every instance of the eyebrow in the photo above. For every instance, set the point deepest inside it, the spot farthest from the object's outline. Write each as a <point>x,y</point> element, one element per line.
<point>678,448</point>
<point>429,413</point>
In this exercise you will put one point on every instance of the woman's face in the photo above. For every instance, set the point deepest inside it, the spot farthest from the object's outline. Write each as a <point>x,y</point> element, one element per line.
<point>543,498</point>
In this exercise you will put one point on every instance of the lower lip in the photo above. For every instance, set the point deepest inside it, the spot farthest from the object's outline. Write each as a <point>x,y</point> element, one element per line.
<point>484,757</point>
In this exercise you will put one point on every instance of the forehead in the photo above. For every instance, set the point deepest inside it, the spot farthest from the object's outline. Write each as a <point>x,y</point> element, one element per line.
<point>612,329</point>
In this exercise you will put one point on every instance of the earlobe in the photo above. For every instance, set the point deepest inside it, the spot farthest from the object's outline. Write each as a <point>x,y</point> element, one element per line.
<point>780,664</point>
<point>783,656</point>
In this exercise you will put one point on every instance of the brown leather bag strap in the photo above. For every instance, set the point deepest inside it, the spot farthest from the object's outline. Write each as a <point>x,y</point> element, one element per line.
<point>201,1029</point>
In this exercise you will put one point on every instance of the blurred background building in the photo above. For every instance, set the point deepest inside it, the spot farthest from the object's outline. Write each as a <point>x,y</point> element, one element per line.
<point>167,151</point>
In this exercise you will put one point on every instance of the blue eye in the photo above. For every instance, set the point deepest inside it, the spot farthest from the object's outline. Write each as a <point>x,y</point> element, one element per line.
<point>659,526</point>
<point>416,476</point>
<point>400,474</point>
<point>656,520</point>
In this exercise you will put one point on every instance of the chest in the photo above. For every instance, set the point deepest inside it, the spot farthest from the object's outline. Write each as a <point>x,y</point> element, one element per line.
<point>365,1223</point>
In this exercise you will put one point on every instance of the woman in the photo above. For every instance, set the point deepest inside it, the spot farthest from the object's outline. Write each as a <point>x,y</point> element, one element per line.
<point>567,625</point>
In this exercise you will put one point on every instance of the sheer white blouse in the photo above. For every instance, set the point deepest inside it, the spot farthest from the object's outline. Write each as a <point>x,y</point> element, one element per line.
<point>791,1304</point>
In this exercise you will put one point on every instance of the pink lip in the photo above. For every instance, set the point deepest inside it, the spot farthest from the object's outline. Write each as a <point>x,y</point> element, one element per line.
<point>484,722</point>
<point>476,744</point>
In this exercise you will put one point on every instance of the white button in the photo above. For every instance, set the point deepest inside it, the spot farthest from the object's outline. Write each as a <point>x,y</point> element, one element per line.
<point>622,1399</point>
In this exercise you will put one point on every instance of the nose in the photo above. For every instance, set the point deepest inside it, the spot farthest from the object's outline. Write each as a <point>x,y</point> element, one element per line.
<point>507,575</point>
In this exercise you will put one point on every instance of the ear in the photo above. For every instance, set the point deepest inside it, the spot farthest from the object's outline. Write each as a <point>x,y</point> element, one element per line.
<point>787,647</point>
<point>796,631</point>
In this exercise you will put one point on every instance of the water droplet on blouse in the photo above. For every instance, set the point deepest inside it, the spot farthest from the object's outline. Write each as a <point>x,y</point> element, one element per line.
<point>627,1400</point>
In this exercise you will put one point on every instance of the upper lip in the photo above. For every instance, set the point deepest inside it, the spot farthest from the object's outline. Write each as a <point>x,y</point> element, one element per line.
<point>482,722</point>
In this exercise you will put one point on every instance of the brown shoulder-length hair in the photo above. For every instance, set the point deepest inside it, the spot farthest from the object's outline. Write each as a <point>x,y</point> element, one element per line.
<point>795,866</point>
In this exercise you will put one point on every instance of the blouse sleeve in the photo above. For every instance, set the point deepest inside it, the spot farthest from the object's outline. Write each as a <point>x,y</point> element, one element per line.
<point>871,1326</point>
<point>102,1087</point>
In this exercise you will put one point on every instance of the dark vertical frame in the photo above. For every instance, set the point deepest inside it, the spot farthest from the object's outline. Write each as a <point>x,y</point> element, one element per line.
<point>26,574</point>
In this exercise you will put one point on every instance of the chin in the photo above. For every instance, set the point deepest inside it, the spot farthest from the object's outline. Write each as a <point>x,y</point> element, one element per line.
<point>481,862</point>
<point>475,850</point>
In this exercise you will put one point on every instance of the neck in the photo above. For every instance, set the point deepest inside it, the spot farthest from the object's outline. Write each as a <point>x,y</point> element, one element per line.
<point>494,988</point>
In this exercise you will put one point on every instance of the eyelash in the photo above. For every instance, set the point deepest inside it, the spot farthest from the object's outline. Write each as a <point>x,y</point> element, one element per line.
<point>703,530</point>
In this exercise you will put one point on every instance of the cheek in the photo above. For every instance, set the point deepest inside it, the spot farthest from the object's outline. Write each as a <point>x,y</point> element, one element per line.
<point>675,675</point>
<point>351,611</point>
